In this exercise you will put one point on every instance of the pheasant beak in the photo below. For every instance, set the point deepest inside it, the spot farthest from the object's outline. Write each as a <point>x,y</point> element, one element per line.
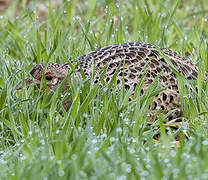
<point>28,82</point>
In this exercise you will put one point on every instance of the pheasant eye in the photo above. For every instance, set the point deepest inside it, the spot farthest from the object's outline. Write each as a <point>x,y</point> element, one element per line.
<point>48,78</point>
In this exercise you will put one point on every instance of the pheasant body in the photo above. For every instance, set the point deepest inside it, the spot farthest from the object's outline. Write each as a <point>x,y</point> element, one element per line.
<point>134,60</point>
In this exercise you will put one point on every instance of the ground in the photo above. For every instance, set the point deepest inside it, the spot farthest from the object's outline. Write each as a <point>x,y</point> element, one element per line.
<point>102,137</point>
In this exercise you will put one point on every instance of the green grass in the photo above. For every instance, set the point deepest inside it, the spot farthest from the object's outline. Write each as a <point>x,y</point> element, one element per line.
<point>106,137</point>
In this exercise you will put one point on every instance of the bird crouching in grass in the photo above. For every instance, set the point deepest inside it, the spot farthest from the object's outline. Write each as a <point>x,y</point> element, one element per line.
<point>131,61</point>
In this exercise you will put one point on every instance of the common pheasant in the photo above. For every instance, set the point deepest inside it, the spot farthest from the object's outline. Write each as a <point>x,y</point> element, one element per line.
<point>133,60</point>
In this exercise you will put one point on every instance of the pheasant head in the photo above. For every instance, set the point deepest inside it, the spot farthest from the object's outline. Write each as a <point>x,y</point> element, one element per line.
<point>52,72</point>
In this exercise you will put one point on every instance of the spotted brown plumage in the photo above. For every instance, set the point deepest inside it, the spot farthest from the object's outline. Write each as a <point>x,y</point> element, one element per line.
<point>130,58</point>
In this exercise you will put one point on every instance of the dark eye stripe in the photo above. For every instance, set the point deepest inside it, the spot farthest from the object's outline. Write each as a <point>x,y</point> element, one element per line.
<point>33,71</point>
<point>48,78</point>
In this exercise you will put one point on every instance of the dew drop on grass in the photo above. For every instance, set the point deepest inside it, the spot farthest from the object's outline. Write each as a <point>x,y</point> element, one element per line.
<point>205,142</point>
<point>22,157</point>
<point>2,161</point>
<point>85,115</point>
<point>148,166</point>
<point>172,153</point>
<point>144,173</point>
<point>126,121</point>
<point>83,174</point>
<point>121,115</point>
<point>42,141</point>
<point>74,156</point>
<point>43,157</point>
<point>58,162</point>
<point>122,178</point>
<point>51,157</point>
<point>185,38</point>
<point>61,172</point>
<point>103,135</point>
<point>166,160</point>
<point>88,152</point>
<point>119,130</point>
<point>94,141</point>
<point>147,148</point>
<point>131,150</point>
<point>112,139</point>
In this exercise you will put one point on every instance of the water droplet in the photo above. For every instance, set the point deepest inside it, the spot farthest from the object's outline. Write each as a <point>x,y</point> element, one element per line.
<point>74,156</point>
<point>147,148</point>
<point>166,160</point>
<point>58,161</point>
<point>205,142</point>
<point>119,130</point>
<point>144,173</point>
<point>94,141</point>
<point>2,161</point>
<point>85,115</point>
<point>22,157</point>
<point>148,166</point>
<point>103,135</point>
<point>112,139</point>
<point>51,157</point>
<point>43,157</point>
<point>88,152</point>
<point>61,172</point>
<point>128,168</point>
<point>122,178</point>
<point>42,141</point>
